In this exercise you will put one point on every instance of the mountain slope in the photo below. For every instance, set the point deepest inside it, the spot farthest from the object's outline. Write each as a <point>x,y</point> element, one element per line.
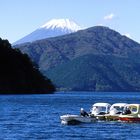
<point>96,73</point>
<point>53,28</point>
<point>18,75</point>
<point>95,59</point>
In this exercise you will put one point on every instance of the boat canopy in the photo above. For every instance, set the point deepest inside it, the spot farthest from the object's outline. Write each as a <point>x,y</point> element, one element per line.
<point>97,108</point>
<point>101,105</point>
<point>118,105</point>
<point>135,108</point>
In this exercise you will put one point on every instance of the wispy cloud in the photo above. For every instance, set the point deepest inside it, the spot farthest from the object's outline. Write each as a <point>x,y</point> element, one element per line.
<point>109,17</point>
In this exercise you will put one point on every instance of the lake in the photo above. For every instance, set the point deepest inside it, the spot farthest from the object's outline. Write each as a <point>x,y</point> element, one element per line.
<point>38,117</point>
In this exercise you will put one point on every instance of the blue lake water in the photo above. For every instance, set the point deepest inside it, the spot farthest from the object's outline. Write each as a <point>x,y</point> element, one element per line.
<point>37,117</point>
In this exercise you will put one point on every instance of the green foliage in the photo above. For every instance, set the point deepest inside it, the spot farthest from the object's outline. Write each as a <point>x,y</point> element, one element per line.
<point>96,73</point>
<point>18,74</point>
<point>95,59</point>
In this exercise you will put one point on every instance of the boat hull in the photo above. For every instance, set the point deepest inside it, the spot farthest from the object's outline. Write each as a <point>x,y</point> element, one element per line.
<point>112,117</point>
<point>75,119</point>
<point>128,119</point>
<point>100,117</point>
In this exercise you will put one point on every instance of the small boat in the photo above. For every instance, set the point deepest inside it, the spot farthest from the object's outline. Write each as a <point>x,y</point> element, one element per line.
<point>76,119</point>
<point>131,113</point>
<point>99,110</point>
<point>115,110</point>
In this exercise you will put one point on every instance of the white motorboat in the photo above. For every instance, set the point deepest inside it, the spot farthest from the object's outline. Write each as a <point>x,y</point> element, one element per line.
<point>115,111</point>
<point>76,119</point>
<point>131,113</point>
<point>99,110</point>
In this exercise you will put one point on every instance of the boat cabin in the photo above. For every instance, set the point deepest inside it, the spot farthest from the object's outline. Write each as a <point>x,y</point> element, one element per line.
<point>132,115</point>
<point>100,108</point>
<point>117,108</point>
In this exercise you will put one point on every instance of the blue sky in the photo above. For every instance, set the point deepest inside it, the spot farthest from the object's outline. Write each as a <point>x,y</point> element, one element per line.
<point>20,17</point>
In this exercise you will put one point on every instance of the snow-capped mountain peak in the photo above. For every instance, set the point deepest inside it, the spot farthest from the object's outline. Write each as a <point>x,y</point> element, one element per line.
<point>53,28</point>
<point>63,24</point>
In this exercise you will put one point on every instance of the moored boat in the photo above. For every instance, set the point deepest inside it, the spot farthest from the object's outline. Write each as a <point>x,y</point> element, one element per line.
<point>76,119</point>
<point>131,113</point>
<point>115,111</point>
<point>99,110</point>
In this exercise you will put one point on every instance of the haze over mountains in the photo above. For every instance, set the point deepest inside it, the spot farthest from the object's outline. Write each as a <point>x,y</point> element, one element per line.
<point>94,59</point>
<point>52,28</point>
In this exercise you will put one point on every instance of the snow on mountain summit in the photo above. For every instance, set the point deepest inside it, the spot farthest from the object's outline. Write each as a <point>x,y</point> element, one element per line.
<point>53,28</point>
<point>63,24</point>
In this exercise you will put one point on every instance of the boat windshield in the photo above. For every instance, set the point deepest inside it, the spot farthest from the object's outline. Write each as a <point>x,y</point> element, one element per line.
<point>119,108</point>
<point>134,109</point>
<point>102,109</point>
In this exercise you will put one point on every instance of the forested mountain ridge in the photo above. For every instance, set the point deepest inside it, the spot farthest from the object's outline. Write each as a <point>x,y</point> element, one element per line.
<point>18,75</point>
<point>94,59</point>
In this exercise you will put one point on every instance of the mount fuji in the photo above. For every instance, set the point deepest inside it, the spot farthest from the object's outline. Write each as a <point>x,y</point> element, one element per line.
<point>53,28</point>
